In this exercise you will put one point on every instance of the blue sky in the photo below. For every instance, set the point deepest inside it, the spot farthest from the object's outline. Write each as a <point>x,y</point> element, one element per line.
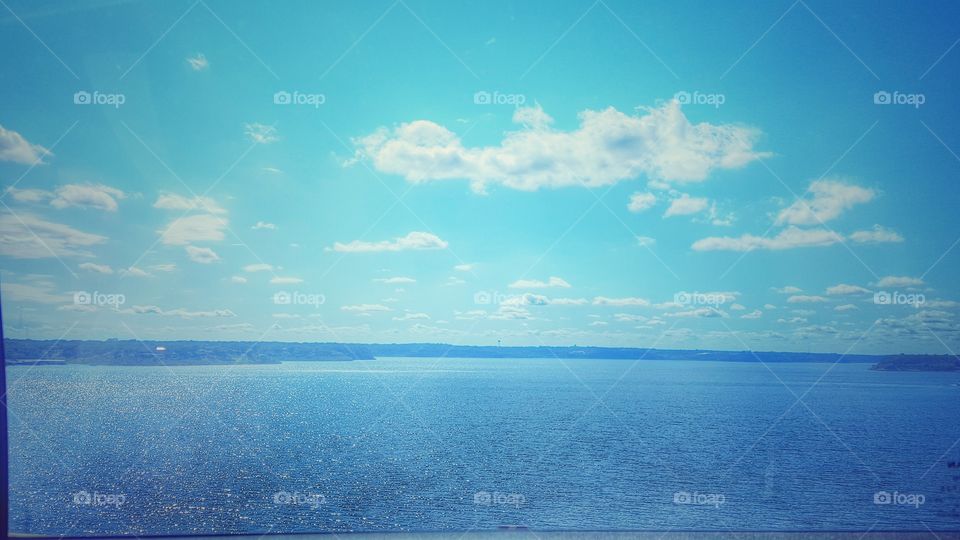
<point>775,176</point>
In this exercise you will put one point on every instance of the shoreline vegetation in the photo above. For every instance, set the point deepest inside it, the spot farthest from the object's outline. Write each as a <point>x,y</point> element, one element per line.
<point>184,353</point>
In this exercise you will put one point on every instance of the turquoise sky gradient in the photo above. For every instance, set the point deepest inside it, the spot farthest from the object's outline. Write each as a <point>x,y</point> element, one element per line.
<point>812,214</point>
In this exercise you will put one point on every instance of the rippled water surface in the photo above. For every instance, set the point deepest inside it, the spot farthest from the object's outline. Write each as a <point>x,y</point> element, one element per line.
<point>457,444</point>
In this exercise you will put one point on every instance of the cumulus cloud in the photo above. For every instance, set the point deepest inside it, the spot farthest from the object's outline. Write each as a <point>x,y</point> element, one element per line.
<point>172,201</point>
<point>135,272</point>
<point>13,147</point>
<point>412,317</point>
<point>25,236</point>
<point>263,225</point>
<point>364,308</point>
<point>464,267</point>
<point>846,307</point>
<point>805,299</point>
<point>646,241</point>
<point>198,62</point>
<point>686,205</point>
<point>627,301</point>
<point>553,281</point>
<point>826,201</point>
<point>278,280</point>
<point>202,255</point>
<point>899,281</point>
<point>195,228</point>
<point>415,240</point>
<point>755,314</point>
<point>97,196</point>
<point>94,267</point>
<point>608,147</point>
<point>877,235</point>
<point>641,201</point>
<point>179,312</point>
<point>261,133</point>
<point>398,280</point>
<point>789,238</point>
<point>259,267</point>
<point>843,288</point>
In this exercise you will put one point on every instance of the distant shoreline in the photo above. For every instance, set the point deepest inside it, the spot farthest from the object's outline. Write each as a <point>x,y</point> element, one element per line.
<point>171,353</point>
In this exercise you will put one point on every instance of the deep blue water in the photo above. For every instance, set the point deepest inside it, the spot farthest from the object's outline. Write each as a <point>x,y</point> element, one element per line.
<point>457,444</point>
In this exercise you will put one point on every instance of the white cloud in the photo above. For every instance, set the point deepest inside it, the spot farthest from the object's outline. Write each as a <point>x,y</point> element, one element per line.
<point>98,268</point>
<point>755,314</point>
<point>829,199</point>
<point>261,133</point>
<point>198,62</point>
<point>179,312</point>
<point>700,313</point>
<point>277,280</point>
<point>628,301</point>
<point>641,201</point>
<point>843,288</point>
<point>365,308</point>
<point>553,281</point>
<point>686,205</point>
<point>29,195</point>
<point>466,267</point>
<point>238,279</point>
<point>789,289</point>
<point>412,241</point>
<point>172,201</point>
<point>395,280</point>
<point>412,317</point>
<point>646,241</point>
<point>167,267</point>
<point>877,235</point>
<point>25,236</point>
<point>568,301</point>
<point>195,228</point>
<point>40,292</point>
<point>259,267</point>
<point>608,147</point>
<point>846,307</point>
<point>97,196</point>
<point>202,255</point>
<point>135,272</point>
<point>805,299</point>
<point>737,307</point>
<point>264,225</point>
<point>899,281</point>
<point>13,147</point>
<point>789,238</point>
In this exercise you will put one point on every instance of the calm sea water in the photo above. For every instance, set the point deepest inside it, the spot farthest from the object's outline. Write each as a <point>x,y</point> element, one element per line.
<point>457,444</point>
